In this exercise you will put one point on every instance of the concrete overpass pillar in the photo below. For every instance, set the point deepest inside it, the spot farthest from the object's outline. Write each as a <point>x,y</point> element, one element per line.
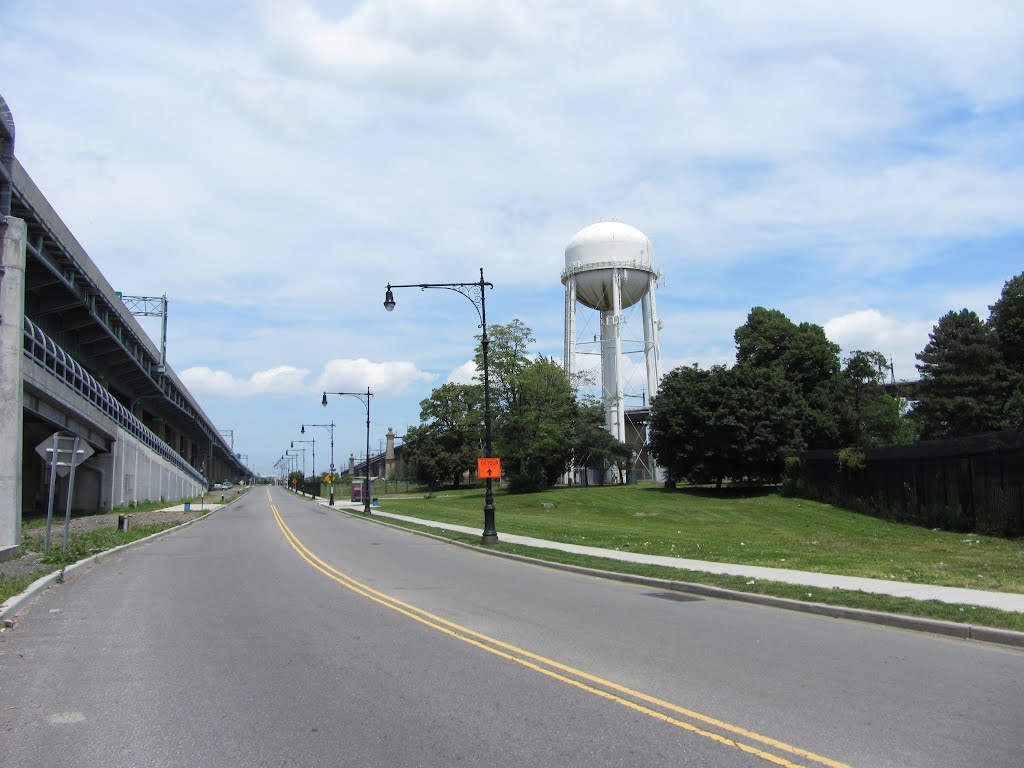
<point>12,315</point>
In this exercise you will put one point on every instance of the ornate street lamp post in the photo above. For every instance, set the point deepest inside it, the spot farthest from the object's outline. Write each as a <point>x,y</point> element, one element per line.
<point>312,442</point>
<point>490,533</point>
<point>293,451</point>
<point>329,427</point>
<point>364,398</point>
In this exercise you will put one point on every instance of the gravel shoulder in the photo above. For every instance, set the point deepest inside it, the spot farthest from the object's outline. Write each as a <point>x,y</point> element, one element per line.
<point>29,562</point>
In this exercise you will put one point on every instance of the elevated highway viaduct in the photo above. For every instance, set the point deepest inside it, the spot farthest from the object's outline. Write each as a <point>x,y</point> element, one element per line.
<point>74,359</point>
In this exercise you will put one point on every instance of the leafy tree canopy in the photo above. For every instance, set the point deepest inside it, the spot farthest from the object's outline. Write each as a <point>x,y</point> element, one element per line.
<point>447,442</point>
<point>593,445</point>
<point>737,423</point>
<point>802,352</point>
<point>535,438</point>
<point>1006,319</point>
<point>507,357</point>
<point>804,356</point>
<point>869,418</point>
<point>962,380</point>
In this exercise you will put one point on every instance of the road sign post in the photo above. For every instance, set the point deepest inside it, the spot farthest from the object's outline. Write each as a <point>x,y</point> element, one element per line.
<point>63,451</point>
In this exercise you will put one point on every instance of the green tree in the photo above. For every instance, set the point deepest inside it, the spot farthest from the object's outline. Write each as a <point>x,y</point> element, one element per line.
<point>534,429</point>
<point>870,417</point>
<point>737,423</point>
<point>804,356</point>
<point>1006,319</point>
<point>1013,411</point>
<point>448,440</point>
<point>593,445</point>
<point>802,352</point>
<point>532,409</point>
<point>507,357</point>
<point>962,380</point>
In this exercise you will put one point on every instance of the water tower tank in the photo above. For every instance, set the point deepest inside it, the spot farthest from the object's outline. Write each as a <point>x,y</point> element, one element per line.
<point>595,253</point>
<point>608,268</point>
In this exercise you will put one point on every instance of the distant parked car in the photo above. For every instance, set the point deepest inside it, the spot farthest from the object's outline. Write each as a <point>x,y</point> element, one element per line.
<point>226,484</point>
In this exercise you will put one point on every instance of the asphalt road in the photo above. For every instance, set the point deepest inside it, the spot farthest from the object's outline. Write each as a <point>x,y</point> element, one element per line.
<point>280,633</point>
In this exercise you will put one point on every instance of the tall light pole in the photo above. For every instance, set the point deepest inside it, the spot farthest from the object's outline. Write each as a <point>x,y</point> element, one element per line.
<point>293,456</point>
<point>313,468</point>
<point>490,533</point>
<point>365,400</point>
<point>329,427</point>
<point>303,451</point>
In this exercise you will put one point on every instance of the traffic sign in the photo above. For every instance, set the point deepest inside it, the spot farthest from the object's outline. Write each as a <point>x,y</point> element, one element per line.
<point>65,450</point>
<point>488,468</point>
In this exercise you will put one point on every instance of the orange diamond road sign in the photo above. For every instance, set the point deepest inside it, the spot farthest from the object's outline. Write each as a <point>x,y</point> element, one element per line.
<point>488,467</point>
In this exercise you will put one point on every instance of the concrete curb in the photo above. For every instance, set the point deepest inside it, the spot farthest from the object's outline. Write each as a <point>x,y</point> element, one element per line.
<point>953,629</point>
<point>13,604</point>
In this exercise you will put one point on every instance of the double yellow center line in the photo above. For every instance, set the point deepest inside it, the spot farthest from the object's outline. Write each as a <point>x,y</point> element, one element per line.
<point>635,700</point>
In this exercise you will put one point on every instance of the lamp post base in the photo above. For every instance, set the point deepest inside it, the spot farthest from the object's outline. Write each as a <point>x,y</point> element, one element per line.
<point>490,534</point>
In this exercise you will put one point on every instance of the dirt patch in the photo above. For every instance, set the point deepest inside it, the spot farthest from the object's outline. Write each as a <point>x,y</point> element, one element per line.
<point>32,561</point>
<point>109,520</point>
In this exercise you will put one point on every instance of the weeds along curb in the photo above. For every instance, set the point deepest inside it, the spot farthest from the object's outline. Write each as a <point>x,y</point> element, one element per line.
<point>914,623</point>
<point>13,604</point>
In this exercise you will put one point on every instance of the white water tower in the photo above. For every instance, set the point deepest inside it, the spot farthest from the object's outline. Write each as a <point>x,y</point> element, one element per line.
<point>609,267</point>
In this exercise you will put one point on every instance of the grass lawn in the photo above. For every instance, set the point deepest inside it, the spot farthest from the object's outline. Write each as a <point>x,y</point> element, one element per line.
<point>755,528</point>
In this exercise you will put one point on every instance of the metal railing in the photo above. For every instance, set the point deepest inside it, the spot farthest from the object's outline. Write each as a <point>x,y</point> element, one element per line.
<point>45,352</point>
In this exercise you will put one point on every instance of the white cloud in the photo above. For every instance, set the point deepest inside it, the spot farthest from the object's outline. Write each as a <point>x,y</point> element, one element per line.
<point>282,380</point>
<point>279,381</point>
<point>408,47</point>
<point>272,169</point>
<point>392,377</point>
<point>870,329</point>
<point>467,373</point>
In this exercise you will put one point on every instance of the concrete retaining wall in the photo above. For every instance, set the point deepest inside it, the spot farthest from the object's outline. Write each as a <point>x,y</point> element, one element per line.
<point>140,474</point>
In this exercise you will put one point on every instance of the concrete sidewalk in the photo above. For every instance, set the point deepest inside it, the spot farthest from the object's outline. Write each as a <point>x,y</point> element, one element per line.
<point>1003,601</point>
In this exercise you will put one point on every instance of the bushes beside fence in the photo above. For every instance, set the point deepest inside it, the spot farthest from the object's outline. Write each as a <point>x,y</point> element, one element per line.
<point>969,484</point>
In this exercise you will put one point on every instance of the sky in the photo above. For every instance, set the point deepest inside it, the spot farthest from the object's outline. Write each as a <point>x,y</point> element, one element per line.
<point>271,166</point>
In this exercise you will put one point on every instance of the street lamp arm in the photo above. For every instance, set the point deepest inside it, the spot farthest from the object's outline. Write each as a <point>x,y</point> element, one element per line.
<point>461,288</point>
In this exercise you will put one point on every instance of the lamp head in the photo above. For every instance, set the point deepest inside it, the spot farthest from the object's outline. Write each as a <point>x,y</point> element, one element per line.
<point>324,401</point>
<point>389,300</point>
<point>302,429</point>
<point>293,444</point>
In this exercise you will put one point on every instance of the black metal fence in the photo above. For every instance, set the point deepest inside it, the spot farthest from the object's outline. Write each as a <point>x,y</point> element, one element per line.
<point>312,486</point>
<point>968,484</point>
